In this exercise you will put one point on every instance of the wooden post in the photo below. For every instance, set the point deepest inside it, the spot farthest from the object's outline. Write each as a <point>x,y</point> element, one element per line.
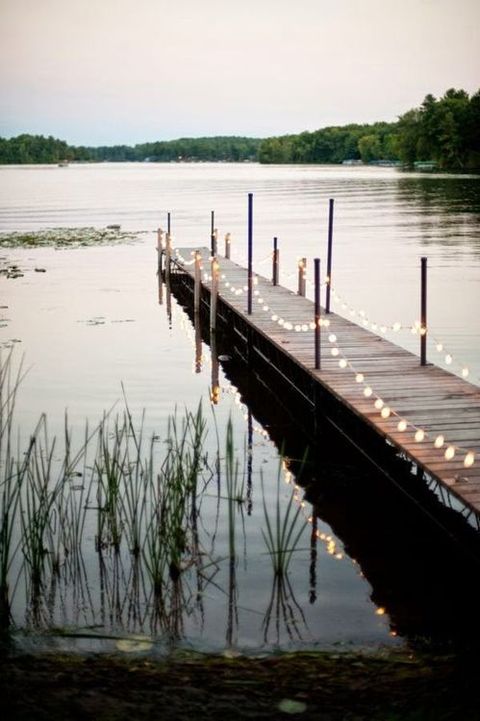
<point>275,262</point>
<point>250,253</point>
<point>317,314</point>
<point>215,390</point>
<point>228,241</point>
<point>302,284</point>
<point>169,229</point>
<point>168,257</point>
<point>197,283</point>
<point>213,236</point>
<point>160,250</point>
<point>198,344</point>
<point>423,313</point>
<point>214,295</point>
<point>329,254</point>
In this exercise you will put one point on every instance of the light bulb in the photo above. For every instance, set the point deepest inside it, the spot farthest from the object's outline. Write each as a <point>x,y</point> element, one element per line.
<point>332,338</point>
<point>439,441</point>
<point>396,327</point>
<point>334,351</point>
<point>439,347</point>
<point>450,453</point>
<point>367,392</point>
<point>386,412</point>
<point>465,372</point>
<point>419,435</point>
<point>448,359</point>
<point>342,363</point>
<point>402,425</point>
<point>359,378</point>
<point>378,404</point>
<point>469,459</point>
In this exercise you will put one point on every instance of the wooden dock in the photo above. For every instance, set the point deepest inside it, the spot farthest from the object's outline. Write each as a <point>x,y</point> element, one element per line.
<point>431,416</point>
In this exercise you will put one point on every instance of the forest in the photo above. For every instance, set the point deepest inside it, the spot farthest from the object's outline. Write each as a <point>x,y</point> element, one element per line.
<point>38,149</point>
<point>444,132</point>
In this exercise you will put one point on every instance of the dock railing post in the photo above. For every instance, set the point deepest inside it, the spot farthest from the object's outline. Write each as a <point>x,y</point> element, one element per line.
<point>423,313</point>
<point>213,236</point>
<point>160,250</point>
<point>168,257</point>
<point>169,226</point>
<point>275,262</point>
<point>228,240</point>
<point>317,313</point>
<point>329,254</point>
<point>197,283</point>
<point>302,269</point>
<point>250,253</point>
<point>214,295</point>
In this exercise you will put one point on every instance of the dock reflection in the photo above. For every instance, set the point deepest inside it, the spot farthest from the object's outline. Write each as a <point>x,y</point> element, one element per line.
<point>420,557</point>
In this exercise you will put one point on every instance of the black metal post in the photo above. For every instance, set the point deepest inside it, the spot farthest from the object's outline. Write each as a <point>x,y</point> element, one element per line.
<point>275,262</point>
<point>168,223</point>
<point>329,254</point>
<point>423,313</point>
<point>317,312</point>
<point>250,252</point>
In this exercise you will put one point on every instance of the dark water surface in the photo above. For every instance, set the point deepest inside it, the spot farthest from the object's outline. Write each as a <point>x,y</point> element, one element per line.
<point>370,568</point>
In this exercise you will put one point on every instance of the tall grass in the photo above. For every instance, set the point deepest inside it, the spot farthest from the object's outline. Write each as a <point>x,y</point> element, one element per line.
<point>282,532</point>
<point>134,500</point>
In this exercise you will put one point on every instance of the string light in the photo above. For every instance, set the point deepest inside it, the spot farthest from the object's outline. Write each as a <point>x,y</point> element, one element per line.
<point>386,412</point>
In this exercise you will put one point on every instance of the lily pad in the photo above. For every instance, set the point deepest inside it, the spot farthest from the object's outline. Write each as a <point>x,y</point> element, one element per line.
<point>67,237</point>
<point>134,644</point>
<point>289,705</point>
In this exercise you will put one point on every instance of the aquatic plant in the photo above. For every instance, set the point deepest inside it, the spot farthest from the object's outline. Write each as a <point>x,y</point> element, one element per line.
<point>66,237</point>
<point>283,532</point>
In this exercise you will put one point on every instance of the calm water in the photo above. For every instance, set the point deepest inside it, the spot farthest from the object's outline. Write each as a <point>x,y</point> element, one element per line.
<point>92,322</point>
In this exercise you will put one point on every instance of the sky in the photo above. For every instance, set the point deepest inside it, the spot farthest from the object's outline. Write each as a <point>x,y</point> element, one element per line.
<point>102,72</point>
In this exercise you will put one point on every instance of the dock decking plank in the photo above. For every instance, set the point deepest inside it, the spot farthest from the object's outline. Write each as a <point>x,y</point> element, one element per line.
<point>427,397</point>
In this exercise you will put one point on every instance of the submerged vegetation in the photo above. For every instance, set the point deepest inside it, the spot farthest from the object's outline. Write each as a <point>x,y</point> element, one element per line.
<point>66,237</point>
<point>132,502</point>
<point>443,132</point>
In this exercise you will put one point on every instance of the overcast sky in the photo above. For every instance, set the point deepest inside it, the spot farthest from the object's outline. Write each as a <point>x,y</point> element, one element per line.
<point>126,71</point>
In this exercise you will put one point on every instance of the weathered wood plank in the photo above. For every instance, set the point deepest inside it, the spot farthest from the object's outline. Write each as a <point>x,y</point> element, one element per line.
<point>428,397</point>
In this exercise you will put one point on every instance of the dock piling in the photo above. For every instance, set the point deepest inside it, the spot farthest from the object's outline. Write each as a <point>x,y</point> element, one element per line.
<point>228,241</point>
<point>168,257</point>
<point>214,294</point>
<point>275,262</point>
<point>213,235</point>
<point>197,283</point>
<point>317,313</point>
<point>302,279</point>
<point>160,250</point>
<point>423,313</point>
<point>329,254</point>
<point>250,253</point>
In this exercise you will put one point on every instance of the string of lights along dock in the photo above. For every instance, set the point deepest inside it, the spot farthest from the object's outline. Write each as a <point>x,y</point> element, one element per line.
<point>430,415</point>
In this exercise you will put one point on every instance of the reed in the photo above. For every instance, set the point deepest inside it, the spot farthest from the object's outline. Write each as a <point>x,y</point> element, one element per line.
<point>282,532</point>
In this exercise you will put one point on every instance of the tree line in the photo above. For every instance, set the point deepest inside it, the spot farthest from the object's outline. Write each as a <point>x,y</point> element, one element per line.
<point>445,131</point>
<point>39,149</point>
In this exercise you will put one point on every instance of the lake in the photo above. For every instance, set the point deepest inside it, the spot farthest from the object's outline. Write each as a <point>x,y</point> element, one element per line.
<point>91,323</point>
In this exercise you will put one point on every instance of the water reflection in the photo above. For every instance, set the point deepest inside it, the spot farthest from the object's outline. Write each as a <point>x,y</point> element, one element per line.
<point>419,556</point>
<point>448,209</point>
